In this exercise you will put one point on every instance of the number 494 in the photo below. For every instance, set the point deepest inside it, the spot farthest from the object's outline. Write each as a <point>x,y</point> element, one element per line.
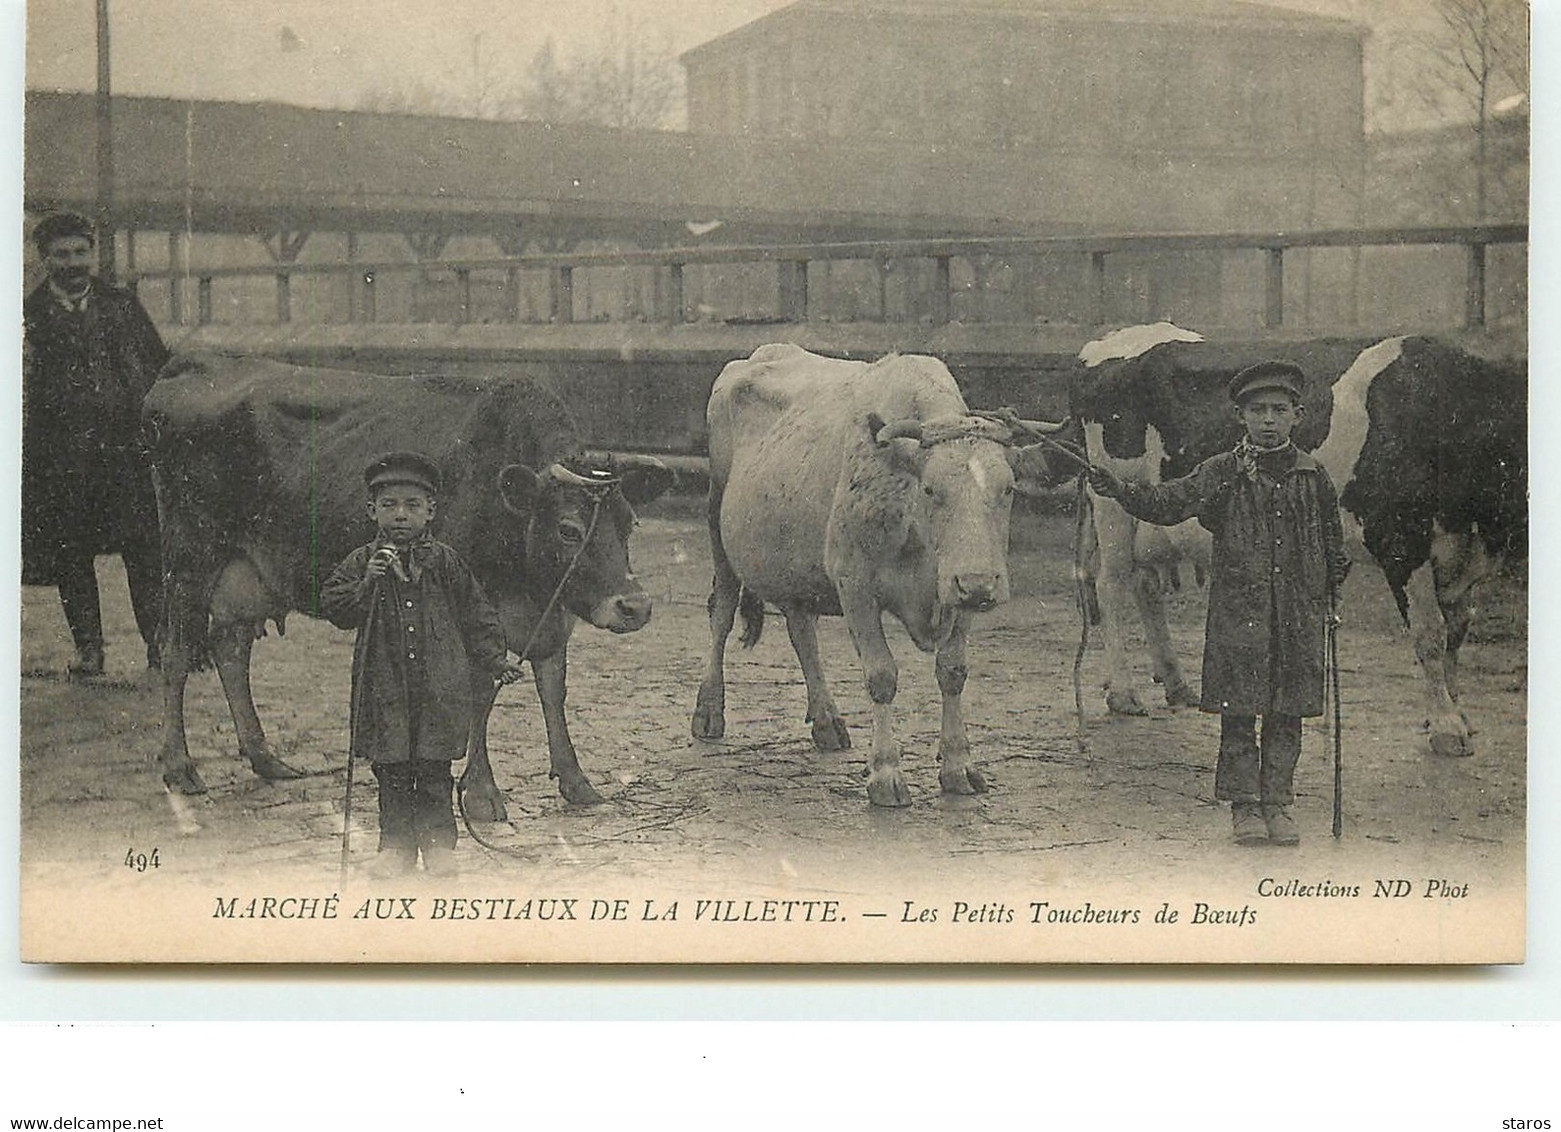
<point>140,862</point>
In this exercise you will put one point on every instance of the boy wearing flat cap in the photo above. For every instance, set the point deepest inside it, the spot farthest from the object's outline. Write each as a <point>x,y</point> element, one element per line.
<point>423,625</point>
<point>1278,562</point>
<point>90,354</point>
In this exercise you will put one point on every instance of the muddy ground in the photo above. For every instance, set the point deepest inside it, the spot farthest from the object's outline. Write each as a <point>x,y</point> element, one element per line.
<point>763,805</point>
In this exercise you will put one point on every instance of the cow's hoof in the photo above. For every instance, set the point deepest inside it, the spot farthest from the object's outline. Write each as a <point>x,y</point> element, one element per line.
<point>483,803</point>
<point>887,788</point>
<point>1181,694</point>
<point>578,791</point>
<point>1125,703</point>
<point>1449,744</point>
<point>273,769</point>
<point>965,780</point>
<point>831,734</point>
<point>184,780</point>
<point>709,721</point>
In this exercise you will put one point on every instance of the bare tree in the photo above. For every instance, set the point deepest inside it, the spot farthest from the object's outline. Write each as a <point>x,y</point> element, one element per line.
<point>1481,54</point>
<point>629,81</point>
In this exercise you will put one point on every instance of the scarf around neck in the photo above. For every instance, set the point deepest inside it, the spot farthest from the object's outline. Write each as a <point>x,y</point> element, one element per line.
<point>1247,455</point>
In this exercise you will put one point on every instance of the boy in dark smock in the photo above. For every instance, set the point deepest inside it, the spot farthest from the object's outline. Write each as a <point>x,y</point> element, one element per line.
<point>1278,561</point>
<point>423,625</point>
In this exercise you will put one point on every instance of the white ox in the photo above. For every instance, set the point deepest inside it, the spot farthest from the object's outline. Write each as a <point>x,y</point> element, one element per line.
<point>839,487</point>
<point>1424,442</point>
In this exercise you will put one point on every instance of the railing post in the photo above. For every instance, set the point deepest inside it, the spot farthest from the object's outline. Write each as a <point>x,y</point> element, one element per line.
<point>882,272</point>
<point>563,294</point>
<point>1095,289</point>
<point>203,301</point>
<point>369,303</point>
<point>793,274</point>
<point>176,312</point>
<point>512,294</point>
<point>942,297</point>
<point>284,297</point>
<point>675,293</point>
<point>463,284</point>
<point>1274,288</point>
<point>1474,288</point>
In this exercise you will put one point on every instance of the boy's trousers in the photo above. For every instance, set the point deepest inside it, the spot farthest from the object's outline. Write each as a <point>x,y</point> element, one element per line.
<point>415,806</point>
<point>1248,772</point>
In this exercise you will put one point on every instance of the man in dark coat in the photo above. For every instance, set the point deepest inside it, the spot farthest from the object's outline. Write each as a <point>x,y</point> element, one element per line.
<point>1278,560</point>
<point>90,354</point>
<point>426,635</point>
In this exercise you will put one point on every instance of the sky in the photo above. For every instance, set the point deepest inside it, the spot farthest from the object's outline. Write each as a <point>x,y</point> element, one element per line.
<point>332,53</point>
<point>337,52</point>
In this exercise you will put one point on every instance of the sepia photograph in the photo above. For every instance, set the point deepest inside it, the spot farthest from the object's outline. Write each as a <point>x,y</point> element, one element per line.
<point>774,482</point>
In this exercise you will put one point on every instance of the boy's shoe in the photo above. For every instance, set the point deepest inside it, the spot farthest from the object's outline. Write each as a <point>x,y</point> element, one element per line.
<point>439,861</point>
<point>1282,829</point>
<point>1247,824</point>
<point>390,863</point>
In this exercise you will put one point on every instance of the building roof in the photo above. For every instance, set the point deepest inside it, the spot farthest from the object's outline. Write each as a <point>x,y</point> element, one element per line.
<point>261,167</point>
<point>1226,14</point>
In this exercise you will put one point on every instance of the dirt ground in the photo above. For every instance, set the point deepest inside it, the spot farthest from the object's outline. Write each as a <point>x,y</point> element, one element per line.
<point>764,805</point>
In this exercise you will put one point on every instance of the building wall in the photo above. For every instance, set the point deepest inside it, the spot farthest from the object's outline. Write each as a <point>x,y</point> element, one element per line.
<point>1273,118</point>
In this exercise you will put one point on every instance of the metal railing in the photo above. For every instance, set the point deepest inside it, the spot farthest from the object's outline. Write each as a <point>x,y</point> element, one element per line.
<point>791,263</point>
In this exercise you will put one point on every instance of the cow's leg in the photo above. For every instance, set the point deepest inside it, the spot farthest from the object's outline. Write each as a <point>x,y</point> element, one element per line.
<point>885,783</point>
<point>829,730</point>
<point>1149,592</point>
<point>481,799</point>
<point>180,639</point>
<point>550,676</point>
<point>956,773</point>
<point>238,604</point>
<point>1440,621</point>
<point>1114,532</point>
<point>709,720</point>
<point>231,645</point>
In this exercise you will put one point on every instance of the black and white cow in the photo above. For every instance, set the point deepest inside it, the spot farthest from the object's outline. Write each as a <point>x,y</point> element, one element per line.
<point>1426,443</point>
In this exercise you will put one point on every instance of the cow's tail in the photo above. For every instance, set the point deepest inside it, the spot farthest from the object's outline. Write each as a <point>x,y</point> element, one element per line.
<point>1086,556</point>
<point>752,610</point>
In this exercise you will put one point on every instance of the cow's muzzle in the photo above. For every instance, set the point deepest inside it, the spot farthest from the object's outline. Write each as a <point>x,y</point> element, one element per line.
<point>622,613</point>
<point>976,591</point>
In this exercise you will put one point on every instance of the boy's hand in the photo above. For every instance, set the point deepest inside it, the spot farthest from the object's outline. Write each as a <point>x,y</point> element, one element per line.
<point>509,673</point>
<point>379,563</point>
<point>1104,482</point>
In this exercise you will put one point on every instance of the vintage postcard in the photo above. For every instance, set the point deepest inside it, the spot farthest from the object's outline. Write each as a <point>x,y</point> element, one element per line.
<point>839,481</point>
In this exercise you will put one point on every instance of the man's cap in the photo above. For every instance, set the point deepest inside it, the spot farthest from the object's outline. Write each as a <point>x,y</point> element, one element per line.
<point>404,468</point>
<point>58,225</point>
<point>1267,375</point>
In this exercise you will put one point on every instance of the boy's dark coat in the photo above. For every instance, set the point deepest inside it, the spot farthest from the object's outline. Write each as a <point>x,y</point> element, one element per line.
<point>1278,548</point>
<point>461,632</point>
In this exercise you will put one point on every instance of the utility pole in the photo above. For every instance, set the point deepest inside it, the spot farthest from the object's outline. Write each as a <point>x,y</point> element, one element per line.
<point>105,126</point>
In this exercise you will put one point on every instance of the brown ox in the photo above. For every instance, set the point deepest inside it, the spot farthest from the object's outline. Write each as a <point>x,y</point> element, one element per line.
<point>260,492</point>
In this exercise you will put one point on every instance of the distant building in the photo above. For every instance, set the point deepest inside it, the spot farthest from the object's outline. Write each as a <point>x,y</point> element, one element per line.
<point>1165,114</point>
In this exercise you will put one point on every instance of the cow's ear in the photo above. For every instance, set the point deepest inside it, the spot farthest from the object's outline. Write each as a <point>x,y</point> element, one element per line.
<point>1033,474</point>
<point>644,478</point>
<point>519,487</point>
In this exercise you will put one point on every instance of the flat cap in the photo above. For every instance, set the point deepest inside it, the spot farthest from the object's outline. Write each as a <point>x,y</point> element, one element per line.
<point>1267,375</point>
<point>404,468</point>
<point>58,225</point>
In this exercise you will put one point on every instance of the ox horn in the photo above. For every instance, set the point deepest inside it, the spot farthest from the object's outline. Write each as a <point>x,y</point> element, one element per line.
<point>594,481</point>
<point>1020,426</point>
<point>899,430</point>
